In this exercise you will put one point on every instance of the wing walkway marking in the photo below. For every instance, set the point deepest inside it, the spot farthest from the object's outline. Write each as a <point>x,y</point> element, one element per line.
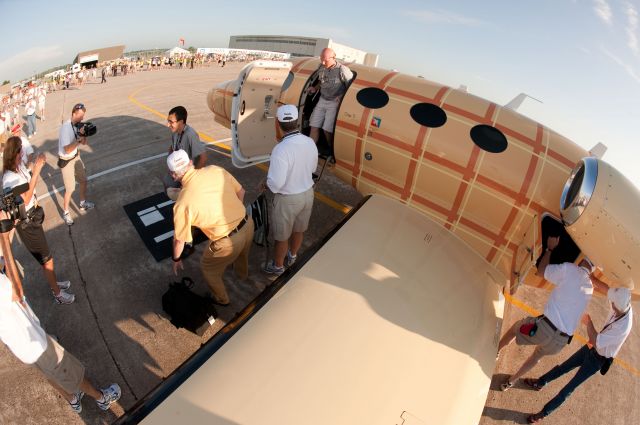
<point>345,209</point>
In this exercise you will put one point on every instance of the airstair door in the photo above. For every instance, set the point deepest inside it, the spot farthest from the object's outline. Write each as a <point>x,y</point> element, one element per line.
<point>253,111</point>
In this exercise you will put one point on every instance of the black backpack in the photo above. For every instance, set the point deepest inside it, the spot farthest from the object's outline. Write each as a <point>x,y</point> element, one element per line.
<point>187,309</point>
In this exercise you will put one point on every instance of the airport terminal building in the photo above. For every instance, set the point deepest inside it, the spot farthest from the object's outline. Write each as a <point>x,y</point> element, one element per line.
<point>302,46</point>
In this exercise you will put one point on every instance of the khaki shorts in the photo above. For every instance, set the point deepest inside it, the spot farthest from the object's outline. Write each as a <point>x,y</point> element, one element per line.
<point>324,114</point>
<point>548,340</point>
<point>74,170</point>
<point>291,213</point>
<point>61,367</point>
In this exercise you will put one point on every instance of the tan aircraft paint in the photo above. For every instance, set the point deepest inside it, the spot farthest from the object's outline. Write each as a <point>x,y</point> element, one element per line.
<point>360,336</point>
<point>492,201</point>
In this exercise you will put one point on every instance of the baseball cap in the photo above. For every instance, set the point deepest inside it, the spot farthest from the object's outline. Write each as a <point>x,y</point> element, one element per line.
<point>177,160</point>
<point>287,113</point>
<point>620,297</point>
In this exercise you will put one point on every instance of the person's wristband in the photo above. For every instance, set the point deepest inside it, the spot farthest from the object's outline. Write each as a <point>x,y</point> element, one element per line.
<point>175,260</point>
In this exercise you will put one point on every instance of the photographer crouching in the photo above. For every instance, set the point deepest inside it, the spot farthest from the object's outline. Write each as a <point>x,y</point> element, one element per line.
<point>19,184</point>
<point>73,133</point>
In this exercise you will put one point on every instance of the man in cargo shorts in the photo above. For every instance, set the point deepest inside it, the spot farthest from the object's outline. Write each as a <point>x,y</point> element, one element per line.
<point>567,302</point>
<point>293,161</point>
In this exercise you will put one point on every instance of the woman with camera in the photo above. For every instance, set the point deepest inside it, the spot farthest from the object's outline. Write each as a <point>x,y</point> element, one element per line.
<point>29,225</point>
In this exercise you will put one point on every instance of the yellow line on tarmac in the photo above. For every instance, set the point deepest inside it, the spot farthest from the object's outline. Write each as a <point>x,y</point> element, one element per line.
<point>533,312</point>
<point>203,136</point>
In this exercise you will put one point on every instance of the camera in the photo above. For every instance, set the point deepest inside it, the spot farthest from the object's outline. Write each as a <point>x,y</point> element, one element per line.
<point>11,202</point>
<point>89,128</point>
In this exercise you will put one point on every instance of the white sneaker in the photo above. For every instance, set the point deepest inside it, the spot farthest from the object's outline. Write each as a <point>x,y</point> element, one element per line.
<point>86,205</point>
<point>64,297</point>
<point>64,285</point>
<point>110,395</point>
<point>67,218</point>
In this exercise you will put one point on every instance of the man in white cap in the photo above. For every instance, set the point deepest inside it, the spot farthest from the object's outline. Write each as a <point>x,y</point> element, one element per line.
<point>552,331</point>
<point>212,200</point>
<point>596,355</point>
<point>290,178</point>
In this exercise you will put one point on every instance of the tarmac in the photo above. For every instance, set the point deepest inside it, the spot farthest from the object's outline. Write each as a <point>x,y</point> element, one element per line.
<point>117,327</point>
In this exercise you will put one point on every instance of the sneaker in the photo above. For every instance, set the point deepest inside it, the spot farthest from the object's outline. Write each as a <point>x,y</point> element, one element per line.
<point>86,205</point>
<point>506,385</point>
<point>75,403</point>
<point>64,285</point>
<point>67,218</point>
<point>289,259</point>
<point>271,268</point>
<point>110,395</point>
<point>64,297</point>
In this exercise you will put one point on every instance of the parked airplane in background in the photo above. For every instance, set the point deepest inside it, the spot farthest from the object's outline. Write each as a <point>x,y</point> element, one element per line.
<point>395,319</point>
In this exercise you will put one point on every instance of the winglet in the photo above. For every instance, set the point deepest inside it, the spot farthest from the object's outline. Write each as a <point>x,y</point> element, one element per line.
<point>517,101</point>
<point>598,150</point>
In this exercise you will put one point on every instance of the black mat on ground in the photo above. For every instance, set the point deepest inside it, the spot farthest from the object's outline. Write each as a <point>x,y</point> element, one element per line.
<point>152,217</point>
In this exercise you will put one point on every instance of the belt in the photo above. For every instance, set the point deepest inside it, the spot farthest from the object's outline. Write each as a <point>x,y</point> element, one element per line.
<point>237,229</point>
<point>598,356</point>
<point>546,319</point>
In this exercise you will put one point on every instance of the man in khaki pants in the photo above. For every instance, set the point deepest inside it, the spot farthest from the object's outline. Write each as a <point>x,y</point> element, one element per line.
<point>69,161</point>
<point>212,200</point>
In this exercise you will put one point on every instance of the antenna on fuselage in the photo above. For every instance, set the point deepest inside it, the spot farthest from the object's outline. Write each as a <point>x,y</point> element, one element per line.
<point>517,101</point>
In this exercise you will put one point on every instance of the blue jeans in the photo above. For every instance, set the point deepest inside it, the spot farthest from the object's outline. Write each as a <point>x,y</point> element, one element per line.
<point>31,124</point>
<point>588,364</point>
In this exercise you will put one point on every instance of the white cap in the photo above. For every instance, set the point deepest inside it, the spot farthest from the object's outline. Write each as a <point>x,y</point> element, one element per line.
<point>620,297</point>
<point>177,160</point>
<point>287,113</point>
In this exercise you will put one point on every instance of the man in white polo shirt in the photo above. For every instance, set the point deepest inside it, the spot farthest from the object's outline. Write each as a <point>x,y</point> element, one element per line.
<point>554,329</point>
<point>596,356</point>
<point>290,178</point>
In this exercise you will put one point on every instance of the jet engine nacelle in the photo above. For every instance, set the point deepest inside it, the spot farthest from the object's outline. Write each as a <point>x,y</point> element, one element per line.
<point>601,211</point>
<point>219,101</point>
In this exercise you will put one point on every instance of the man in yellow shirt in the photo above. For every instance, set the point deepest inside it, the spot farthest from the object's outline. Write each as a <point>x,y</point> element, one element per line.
<point>212,200</point>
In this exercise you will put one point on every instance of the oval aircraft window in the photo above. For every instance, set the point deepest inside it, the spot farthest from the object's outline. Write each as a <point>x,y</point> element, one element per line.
<point>428,115</point>
<point>489,138</point>
<point>372,97</point>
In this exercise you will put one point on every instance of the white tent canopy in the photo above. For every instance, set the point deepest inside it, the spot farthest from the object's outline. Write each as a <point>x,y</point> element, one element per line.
<point>176,51</point>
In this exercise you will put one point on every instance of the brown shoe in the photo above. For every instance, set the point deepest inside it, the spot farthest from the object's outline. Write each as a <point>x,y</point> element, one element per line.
<point>535,418</point>
<point>533,383</point>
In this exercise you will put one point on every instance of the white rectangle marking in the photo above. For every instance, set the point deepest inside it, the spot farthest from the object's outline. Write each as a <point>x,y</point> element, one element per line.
<point>164,204</point>
<point>162,237</point>
<point>152,217</point>
<point>148,210</point>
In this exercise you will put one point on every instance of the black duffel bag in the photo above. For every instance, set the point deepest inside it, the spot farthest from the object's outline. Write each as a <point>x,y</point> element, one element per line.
<point>187,309</point>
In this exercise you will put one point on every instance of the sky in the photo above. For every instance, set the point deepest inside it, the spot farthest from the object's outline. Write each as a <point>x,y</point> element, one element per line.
<point>580,58</point>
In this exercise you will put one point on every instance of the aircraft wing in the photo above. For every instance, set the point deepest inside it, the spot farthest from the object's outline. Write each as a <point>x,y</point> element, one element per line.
<point>393,320</point>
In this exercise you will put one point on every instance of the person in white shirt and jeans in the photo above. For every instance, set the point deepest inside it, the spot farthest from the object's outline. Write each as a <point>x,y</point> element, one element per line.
<point>595,356</point>
<point>30,109</point>
<point>552,331</point>
<point>293,162</point>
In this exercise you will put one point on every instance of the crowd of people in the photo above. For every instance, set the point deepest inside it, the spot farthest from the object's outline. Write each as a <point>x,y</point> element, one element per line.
<point>23,105</point>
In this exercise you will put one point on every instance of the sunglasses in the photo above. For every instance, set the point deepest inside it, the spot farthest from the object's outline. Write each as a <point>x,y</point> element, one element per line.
<point>79,106</point>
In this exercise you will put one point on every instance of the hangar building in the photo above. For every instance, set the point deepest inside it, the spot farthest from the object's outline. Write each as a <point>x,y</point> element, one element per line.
<point>90,58</point>
<point>302,46</point>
